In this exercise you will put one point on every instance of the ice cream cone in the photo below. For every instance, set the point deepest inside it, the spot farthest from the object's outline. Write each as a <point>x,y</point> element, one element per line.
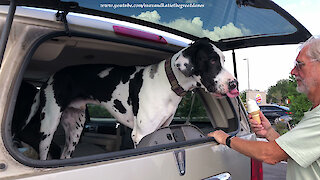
<point>255,116</point>
<point>254,110</point>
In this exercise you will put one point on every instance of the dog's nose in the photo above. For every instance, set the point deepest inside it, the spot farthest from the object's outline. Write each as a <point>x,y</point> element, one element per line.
<point>233,84</point>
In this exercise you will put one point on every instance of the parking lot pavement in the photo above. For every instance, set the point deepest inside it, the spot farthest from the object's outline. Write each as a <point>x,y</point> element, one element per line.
<point>274,172</point>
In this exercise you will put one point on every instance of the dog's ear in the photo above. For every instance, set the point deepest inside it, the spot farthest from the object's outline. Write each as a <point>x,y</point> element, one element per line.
<point>185,65</point>
<point>195,58</point>
<point>186,61</point>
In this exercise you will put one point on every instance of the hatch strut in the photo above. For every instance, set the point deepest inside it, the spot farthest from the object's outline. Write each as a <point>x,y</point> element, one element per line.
<point>63,10</point>
<point>6,29</point>
<point>62,16</point>
<point>234,64</point>
<point>236,76</point>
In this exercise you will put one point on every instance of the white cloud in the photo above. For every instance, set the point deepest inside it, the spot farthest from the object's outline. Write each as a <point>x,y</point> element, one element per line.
<point>224,32</point>
<point>195,26</point>
<point>153,16</point>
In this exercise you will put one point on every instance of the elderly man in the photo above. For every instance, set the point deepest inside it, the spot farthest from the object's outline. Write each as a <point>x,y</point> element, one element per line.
<point>300,146</point>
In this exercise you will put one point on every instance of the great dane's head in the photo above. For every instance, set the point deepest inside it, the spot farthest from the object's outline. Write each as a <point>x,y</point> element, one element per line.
<point>204,62</point>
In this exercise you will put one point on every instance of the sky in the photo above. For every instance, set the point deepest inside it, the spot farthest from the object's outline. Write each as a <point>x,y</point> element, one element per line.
<point>267,65</point>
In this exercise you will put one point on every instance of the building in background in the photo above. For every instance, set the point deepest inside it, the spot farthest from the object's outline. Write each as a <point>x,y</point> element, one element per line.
<point>259,96</point>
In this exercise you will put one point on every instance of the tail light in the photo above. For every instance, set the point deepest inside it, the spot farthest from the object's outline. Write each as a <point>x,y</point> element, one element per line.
<point>256,170</point>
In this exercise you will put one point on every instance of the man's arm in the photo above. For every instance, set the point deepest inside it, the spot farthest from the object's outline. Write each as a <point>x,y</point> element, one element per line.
<point>268,152</point>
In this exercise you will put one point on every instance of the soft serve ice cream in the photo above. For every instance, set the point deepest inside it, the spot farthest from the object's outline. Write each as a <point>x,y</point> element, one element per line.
<point>254,110</point>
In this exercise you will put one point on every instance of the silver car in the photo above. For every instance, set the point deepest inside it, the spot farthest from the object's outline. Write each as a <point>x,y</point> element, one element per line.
<point>40,37</point>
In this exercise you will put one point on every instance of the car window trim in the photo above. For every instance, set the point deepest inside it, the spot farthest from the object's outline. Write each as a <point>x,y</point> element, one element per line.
<point>210,115</point>
<point>6,29</point>
<point>233,133</point>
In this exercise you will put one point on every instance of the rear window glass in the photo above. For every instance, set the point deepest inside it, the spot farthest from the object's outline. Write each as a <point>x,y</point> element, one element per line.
<point>217,19</point>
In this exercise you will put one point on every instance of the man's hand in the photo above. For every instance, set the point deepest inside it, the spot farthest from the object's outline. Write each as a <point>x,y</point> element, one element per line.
<point>219,136</point>
<point>264,129</point>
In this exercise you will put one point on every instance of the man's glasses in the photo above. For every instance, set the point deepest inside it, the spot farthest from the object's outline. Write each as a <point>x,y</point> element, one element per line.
<point>298,65</point>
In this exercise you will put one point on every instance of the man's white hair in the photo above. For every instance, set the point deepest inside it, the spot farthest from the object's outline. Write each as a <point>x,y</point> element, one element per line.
<point>314,47</point>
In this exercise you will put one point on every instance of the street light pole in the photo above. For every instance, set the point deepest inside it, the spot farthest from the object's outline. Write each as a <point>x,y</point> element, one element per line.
<point>246,59</point>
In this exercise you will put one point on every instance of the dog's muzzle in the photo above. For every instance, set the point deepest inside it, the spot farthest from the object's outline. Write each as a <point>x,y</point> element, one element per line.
<point>232,87</point>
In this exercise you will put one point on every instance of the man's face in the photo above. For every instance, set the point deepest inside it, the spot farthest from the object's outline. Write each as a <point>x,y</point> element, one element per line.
<point>306,72</point>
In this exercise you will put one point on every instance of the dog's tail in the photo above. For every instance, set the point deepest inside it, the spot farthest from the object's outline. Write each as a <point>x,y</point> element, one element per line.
<point>34,109</point>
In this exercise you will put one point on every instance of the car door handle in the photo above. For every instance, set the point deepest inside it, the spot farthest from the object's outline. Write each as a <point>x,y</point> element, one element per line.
<point>222,176</point>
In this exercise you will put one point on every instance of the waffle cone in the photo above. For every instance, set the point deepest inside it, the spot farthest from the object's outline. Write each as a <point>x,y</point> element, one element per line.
<point>255,116</point>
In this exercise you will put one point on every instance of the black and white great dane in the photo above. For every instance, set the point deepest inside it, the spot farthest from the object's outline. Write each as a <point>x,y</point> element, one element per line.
<point>143,98</point>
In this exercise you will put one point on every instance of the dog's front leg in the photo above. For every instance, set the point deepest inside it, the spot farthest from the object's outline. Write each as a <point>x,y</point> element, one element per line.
<point>137,132</point>
<point>140,130</point>
<point>134,136</point>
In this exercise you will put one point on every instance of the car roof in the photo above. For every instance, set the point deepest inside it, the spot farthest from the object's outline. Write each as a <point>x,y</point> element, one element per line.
<point>229,24</point>
<point>275,105</point>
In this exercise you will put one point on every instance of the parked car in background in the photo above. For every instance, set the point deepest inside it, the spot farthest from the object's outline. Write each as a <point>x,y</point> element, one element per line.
<point>275,112</point>
<point>48,35</point>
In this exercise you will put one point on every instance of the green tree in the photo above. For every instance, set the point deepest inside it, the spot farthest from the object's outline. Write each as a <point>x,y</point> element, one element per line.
<point>279,92</point>
<point>243,96</point>
<point>96,111</point>
<point>185,105</point>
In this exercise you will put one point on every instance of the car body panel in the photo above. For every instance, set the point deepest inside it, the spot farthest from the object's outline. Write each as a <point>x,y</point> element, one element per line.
<point>161,164</point>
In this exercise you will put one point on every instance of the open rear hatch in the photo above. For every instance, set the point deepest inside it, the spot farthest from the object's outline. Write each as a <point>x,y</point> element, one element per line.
<point>232,24</point>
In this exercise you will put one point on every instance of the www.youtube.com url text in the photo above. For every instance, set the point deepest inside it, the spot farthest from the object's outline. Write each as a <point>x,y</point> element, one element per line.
<point>155,5</point>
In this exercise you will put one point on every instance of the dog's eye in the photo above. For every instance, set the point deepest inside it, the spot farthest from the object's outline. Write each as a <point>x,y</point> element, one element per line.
<point>215,56</point>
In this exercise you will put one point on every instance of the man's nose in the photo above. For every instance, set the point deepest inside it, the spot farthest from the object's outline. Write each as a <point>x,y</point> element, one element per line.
<point>294,71</point>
